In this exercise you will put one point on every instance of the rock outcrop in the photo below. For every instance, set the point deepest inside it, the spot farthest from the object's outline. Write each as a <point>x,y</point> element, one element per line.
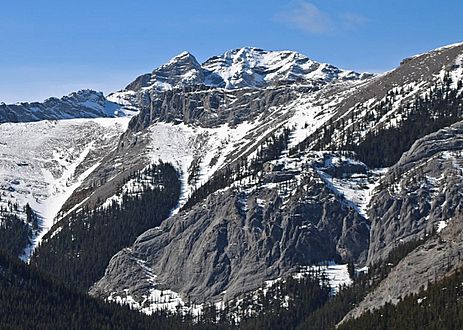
<point>418,193</point>
<point>419,199</point>
<point>238,238</point>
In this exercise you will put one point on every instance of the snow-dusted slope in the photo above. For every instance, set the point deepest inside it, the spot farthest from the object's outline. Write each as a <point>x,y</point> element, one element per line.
<point>383,101</point>
<point>183,145</point>
<point>41,163</point>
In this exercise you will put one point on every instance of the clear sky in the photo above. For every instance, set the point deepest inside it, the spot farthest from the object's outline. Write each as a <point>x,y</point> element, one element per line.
<point>52,47</point>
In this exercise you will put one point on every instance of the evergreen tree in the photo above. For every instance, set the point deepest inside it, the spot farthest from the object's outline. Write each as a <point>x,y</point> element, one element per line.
<point>80,250</point>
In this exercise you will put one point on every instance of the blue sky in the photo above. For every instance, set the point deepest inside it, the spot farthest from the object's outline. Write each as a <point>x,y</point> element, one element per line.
<point>50,47</point>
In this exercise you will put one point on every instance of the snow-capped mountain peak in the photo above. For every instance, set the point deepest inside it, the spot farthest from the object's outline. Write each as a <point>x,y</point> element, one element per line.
<point>246,67</point>
<point>249,67</point>
<point>182,57</point>
<point>181,70</point>
<point>254,67</point>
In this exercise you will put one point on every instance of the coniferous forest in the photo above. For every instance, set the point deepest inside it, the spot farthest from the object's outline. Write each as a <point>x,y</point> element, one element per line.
<point>440,107</point>
<point>438,307</point>
<point>426,114</point>
<point>31,300</point>
<point>14,233</point>
<point>85,241</point>
<point>47,303</point>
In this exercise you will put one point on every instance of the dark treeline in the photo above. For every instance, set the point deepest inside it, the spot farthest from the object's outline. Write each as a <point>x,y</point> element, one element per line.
<point>287,303</point>
<point>80,246</point>
<point>29,299</point>
<point>32,300</point>
<point>15,233</point>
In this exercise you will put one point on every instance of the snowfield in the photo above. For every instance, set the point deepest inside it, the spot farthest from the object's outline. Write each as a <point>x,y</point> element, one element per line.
<point>42,163</point>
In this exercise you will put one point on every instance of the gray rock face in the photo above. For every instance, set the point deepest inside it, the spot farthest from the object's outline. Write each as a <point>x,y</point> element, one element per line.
<point>421,194</point>
<point>212,107</point>
<point>430,262</point>
<point>238,238</point>
<point>81,104</point>
<point>421,190</point>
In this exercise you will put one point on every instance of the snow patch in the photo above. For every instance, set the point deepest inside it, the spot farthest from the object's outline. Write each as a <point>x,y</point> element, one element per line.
<point>441,225</point>
<point>43,162</point>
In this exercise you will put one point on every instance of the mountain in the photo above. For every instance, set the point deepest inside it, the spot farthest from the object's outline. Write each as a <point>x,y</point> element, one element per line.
<point>249,204</point>
<point>252,169</point>
<point>253,67</point>
<point>81,104</point>
<point>240,68</point>
<point>204,131</point>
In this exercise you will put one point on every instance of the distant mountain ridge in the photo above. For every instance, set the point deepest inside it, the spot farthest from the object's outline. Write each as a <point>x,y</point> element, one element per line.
<point>82,104</point>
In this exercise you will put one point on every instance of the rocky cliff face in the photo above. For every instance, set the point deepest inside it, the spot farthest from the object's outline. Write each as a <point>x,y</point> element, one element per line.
<point>210,108</point>
<point>421,200</point>
<point>238,238</point>
<point>419,193</point>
